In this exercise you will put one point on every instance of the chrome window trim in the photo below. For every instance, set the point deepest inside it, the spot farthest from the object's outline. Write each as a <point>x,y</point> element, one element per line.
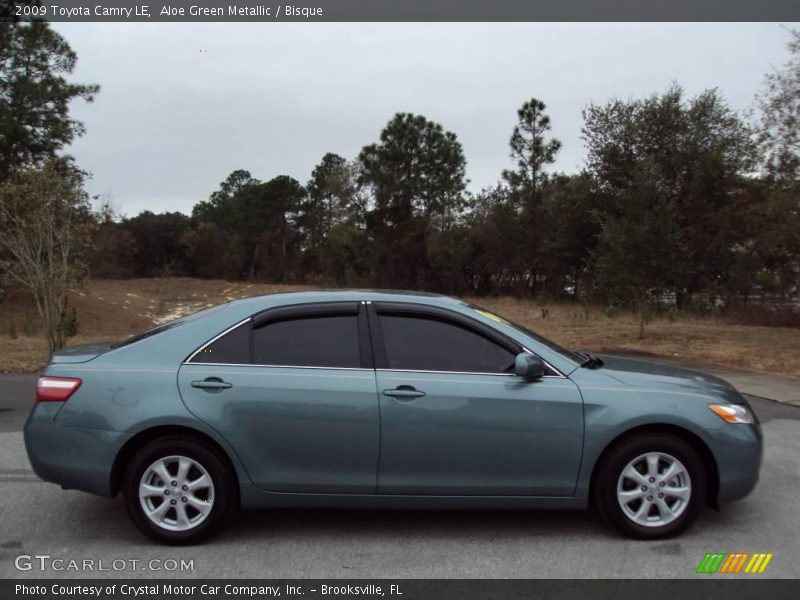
<point>188,361</point>
<point>367,369</point>
<point>464,373</point>
<point>276,366</point>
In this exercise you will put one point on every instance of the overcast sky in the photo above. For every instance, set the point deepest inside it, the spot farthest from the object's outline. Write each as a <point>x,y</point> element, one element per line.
<point>182,105</point>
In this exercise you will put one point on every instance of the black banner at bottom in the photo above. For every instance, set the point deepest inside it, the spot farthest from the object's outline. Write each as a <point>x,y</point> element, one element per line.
<point>398,589</point>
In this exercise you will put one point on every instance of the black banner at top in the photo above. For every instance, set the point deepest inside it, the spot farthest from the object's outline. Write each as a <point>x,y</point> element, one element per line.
<point>407,10</point>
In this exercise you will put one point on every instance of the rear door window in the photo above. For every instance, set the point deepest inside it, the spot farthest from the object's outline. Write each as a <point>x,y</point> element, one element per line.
<point>313,341</point>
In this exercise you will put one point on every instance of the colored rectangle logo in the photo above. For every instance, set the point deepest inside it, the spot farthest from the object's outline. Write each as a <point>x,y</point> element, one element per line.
<point>734,563</point>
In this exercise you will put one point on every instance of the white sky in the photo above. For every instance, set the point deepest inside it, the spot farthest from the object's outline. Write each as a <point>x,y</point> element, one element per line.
<point>182,105</point>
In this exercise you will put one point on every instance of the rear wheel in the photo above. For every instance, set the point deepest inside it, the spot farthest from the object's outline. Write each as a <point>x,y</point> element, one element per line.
<point>651,486</point>
<point>178,491</point>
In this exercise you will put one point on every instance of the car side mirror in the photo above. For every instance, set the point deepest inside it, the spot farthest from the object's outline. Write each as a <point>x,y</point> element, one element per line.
<point>529,366</point>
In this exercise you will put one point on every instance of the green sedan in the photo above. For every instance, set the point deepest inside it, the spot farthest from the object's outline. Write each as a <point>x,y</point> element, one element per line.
<point>372,399</point>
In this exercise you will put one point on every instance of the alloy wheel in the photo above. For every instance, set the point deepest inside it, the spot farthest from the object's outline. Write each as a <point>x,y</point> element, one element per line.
<point>176,493</point>
<point>654,489</point>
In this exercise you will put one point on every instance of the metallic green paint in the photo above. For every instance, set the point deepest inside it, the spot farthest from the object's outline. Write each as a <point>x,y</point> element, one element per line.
<point>329,437</point>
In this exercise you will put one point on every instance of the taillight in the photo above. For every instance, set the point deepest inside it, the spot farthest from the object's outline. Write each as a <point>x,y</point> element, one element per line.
<point>56,389</point>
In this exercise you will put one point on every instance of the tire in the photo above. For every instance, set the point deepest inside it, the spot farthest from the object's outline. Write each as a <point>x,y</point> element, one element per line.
<point>198,504</point>
<point>643,509</point>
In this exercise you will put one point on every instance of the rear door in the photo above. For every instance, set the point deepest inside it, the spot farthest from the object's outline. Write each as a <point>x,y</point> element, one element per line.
<point>455,420</point>
<point>293,391</point>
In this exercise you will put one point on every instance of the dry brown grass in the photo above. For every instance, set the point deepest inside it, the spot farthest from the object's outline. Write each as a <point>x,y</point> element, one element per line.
<point>114,309</point>
<point>108,309</point>
<point>697,339</point>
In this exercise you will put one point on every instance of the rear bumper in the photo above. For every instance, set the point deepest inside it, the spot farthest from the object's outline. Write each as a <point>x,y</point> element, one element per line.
<point>73,457</point>
<point>739,451</point>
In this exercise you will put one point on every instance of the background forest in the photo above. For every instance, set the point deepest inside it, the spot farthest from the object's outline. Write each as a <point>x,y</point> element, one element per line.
<point>683,206</point>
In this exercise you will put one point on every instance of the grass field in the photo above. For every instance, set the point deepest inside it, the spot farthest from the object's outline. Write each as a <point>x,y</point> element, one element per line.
<point>109,309</point>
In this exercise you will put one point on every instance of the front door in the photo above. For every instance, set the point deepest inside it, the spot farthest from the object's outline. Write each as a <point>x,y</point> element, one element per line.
<point>456,421</point>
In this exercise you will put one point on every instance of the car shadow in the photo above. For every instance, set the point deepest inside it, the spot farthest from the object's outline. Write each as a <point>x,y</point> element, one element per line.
<point>297,524</point>
<point>439,524</point>
<point>108,520</point>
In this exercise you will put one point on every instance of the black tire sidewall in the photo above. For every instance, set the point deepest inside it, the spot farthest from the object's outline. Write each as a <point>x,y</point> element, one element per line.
<point>619,457</point>
<point>224,491</point>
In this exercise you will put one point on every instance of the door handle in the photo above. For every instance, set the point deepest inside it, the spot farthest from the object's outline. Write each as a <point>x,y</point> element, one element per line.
<point>212,384</point>
<point>404,392</point>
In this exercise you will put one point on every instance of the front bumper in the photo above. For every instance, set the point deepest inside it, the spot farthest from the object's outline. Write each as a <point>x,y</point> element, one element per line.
<point>739,452</point>
<point>73,457</point>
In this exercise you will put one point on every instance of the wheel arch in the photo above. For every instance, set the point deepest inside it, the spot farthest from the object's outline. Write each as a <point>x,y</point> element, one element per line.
<point>691,438</point>
<point>144,437</point>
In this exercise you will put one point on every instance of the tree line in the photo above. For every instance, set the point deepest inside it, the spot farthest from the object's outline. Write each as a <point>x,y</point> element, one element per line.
<point>681,198</point>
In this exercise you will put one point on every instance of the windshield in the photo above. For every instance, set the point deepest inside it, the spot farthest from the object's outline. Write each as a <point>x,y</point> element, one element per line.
<point>166,326</point>
<point>568,354</point>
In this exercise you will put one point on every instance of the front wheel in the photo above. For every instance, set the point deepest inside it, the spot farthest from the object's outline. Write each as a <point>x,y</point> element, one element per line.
<point>651,486</point>
<point>177,491</point>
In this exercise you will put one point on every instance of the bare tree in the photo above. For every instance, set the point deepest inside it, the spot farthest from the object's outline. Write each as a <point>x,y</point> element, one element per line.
<point>44,221</point>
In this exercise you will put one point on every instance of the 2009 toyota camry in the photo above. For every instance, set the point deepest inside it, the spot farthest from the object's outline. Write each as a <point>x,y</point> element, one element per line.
<point>372,399</point>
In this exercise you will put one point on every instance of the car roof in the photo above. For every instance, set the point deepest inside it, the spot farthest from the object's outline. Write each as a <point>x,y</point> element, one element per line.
<point>333,295</point>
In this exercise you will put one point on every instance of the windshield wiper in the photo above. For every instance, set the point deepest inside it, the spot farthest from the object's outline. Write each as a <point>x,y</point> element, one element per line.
<point>591,361</point>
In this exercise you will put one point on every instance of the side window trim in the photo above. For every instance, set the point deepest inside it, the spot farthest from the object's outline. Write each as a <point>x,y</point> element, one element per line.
<point>448,316</point>
<point>300,311</point>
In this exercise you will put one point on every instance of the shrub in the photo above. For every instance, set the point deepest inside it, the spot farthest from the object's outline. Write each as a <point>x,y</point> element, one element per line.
<point>69,323</point>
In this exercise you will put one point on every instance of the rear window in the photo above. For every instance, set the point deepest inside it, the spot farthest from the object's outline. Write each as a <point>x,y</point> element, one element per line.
<point>166,326</point>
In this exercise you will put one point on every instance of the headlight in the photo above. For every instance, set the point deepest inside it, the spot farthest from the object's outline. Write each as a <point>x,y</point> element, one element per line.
<point>732,413</point>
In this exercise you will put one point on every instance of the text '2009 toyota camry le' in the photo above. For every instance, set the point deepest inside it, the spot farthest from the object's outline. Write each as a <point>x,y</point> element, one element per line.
<point>370,399</point>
